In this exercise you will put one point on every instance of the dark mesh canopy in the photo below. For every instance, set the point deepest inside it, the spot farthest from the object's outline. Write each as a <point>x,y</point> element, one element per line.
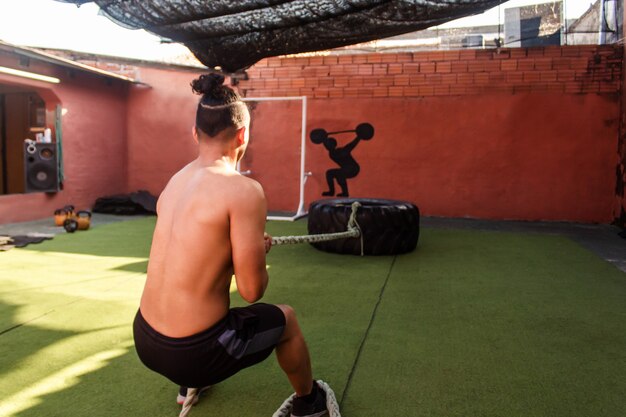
<point>234,34</point>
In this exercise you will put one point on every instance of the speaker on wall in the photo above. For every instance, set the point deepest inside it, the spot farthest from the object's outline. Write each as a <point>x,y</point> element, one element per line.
<point>41,167</point>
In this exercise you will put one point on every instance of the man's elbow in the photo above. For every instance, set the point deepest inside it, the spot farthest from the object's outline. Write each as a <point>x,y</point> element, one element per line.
<point>251,295</point>
<point>251,285</point>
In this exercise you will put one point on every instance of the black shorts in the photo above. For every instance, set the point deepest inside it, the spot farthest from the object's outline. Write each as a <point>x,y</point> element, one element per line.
<point>246,336</point>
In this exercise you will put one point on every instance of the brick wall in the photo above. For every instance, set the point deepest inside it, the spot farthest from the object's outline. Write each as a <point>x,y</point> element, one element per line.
<point>529,134</point>
<point>569,69</point>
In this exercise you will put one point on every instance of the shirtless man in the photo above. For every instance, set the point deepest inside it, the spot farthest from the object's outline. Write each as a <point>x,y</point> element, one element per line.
<point>210,225</point>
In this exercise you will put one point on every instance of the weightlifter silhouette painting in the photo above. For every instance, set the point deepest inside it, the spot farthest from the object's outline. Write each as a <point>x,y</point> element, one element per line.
<point>342,156</point>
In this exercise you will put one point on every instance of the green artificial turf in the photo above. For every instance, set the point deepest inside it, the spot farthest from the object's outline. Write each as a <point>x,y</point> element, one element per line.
<point>496,324</point>
<point>471,324</point>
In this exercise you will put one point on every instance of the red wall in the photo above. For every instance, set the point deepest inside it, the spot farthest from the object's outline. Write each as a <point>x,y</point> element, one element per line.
<point>273,154</point>
<point>159,130</point>
<point>620,172</point>
<point>94,135</point>
<point>517,134</point>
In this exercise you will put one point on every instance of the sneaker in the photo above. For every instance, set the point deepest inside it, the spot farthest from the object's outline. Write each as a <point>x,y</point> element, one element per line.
<point>317,408</point>
<point>182,394</point>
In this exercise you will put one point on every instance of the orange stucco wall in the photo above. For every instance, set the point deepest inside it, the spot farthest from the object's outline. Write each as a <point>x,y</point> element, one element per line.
<point>94,136</point>
<point>525,134</point>
<point>159,130</point>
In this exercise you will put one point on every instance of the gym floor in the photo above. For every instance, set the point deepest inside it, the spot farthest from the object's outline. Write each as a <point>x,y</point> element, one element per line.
<point>483,319</point>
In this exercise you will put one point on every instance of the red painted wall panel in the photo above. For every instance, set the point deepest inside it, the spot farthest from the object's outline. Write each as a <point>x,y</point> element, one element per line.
<point>273,154</point>
<point>526,156</point>
<point>159,130</point>
<point>620,172</point>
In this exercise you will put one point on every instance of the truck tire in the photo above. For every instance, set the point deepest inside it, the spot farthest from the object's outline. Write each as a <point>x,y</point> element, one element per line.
<point>388,227</point>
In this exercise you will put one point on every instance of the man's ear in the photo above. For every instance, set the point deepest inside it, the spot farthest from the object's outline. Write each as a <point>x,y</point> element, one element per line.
<point>241,136</point>
<point>194,133</point>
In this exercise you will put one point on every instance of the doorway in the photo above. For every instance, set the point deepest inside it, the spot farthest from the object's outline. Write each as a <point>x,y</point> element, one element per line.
<point>22,116</point>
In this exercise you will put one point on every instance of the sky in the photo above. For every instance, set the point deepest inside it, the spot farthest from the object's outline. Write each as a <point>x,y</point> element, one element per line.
<point>573,10</point>
<point>52,24</point>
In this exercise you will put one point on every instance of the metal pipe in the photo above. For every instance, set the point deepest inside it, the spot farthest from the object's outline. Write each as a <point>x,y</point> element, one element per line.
<point>303,177</point>
<point>300,212</point>
<point>602,21</point>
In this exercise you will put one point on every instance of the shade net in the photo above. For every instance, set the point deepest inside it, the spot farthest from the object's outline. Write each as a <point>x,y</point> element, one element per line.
<point>234,34</point>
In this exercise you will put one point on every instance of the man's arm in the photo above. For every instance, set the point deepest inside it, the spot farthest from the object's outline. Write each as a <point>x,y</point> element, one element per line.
<point>247,225</point>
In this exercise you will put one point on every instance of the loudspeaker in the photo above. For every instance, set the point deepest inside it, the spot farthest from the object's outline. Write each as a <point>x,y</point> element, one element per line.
<point>41,167</point>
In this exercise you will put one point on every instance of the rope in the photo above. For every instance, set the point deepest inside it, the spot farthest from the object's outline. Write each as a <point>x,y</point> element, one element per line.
<point>354,231</point>
<point>190,400</point>
<point>331,403</point>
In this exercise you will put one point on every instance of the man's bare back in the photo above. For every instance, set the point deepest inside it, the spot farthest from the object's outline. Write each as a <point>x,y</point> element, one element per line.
<point>193,258</point>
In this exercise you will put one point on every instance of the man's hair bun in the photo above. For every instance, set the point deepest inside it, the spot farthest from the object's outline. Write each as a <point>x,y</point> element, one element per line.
<point>220,106</point>
<point>211,85</point>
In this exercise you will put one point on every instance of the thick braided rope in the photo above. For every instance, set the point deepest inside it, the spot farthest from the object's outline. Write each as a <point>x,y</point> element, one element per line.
<point>354,231</point>
<point>286,240</point>
<point>331,403</point>
<point>190,400</point>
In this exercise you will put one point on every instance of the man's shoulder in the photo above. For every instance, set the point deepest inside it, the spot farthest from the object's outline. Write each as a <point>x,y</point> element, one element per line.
<point>245,195</point>
<point>233,184</point>
<point>248,188</point>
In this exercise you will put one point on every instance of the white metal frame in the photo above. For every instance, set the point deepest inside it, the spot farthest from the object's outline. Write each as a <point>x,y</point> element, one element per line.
<point>301,212</point>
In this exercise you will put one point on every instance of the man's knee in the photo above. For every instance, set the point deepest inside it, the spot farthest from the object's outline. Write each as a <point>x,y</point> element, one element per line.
<point>292,328</point>
<point>288,311</point>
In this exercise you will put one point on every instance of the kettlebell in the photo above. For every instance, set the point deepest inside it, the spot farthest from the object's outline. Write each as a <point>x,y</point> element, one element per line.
<point>83,218</point>
<point>62,214</point>
<point>70,225</point>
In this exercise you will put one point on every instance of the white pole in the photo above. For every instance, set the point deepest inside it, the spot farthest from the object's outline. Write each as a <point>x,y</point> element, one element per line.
<point>602,34</point>
<point>303,175</point>
<point>301,211</point>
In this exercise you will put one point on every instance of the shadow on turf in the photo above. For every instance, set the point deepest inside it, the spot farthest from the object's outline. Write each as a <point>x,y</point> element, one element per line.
<point>109,391</point>
<point>15,349</point>
<point>124,387</point>
<point>119,388</point>
<point>130,239</point>
<point>140,267</point>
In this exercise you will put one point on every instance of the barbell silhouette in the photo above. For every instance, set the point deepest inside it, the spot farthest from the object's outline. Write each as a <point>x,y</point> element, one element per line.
<point>363,131</point>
